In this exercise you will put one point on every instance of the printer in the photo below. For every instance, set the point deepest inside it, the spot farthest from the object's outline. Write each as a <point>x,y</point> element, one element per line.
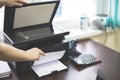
<point>30,26</point>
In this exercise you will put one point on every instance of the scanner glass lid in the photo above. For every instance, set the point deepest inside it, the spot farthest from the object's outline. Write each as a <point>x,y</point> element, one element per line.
<point>33,15</point>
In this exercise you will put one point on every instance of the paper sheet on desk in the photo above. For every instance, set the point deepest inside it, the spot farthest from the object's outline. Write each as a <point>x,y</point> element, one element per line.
<point>88,75</point>
<point>5,70</point>
<point>51,56</point>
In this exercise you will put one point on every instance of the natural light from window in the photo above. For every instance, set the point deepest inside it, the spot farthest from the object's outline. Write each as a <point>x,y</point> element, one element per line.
<point>76,8</point>
<point>69,14</point>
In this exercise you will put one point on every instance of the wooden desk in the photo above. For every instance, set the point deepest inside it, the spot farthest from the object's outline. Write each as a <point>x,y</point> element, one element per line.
<point>109,68</point>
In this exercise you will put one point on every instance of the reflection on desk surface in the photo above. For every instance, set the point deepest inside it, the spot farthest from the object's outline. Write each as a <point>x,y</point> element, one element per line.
<point>110,65</point>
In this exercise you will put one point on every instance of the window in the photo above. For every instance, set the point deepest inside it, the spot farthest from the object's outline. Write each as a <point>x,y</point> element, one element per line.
<point>69,13</point>
<point>76,8</point>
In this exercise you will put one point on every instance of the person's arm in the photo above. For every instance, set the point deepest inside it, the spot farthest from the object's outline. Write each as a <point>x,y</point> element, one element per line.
<point>10,53</point>
<point>12,3</point>
<point>1,3</point>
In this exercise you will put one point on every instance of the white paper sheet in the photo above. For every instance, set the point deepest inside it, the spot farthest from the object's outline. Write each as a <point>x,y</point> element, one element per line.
<point>49,63</point>
<point>5,70</point>
<point>88,74</point>
<point>51,56</point>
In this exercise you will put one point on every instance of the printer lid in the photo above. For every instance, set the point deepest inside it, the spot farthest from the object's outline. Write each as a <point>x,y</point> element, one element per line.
<point>32,22</point>
<point>31,14</point>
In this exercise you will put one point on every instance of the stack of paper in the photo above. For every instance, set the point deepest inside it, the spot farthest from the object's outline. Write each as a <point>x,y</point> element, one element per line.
<point>5,70</point>
<point>49,63</point>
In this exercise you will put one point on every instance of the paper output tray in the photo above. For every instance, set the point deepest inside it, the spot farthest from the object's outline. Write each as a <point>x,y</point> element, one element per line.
<point>49,64</point>
<point>48,68</point>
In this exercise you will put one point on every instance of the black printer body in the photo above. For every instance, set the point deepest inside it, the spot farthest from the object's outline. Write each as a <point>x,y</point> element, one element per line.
<point>31,26</point>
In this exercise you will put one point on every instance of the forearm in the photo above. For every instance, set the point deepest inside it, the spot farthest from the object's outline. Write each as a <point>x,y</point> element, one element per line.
<point>9,53</point>
<point>1,3</point>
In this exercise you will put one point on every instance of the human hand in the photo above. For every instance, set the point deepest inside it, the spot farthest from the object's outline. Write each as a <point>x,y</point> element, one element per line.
<point>14,2</point>
<point>34,53</point>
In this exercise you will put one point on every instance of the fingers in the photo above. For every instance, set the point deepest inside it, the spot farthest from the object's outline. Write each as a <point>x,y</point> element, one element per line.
<point>40,51</point>
<point>34,53</point>
<point>17,4</point>
<point>14,3</point>
<point>21,2</point>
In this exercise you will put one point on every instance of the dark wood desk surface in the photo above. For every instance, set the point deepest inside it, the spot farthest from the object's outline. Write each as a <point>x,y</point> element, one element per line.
<point>108,68</point>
